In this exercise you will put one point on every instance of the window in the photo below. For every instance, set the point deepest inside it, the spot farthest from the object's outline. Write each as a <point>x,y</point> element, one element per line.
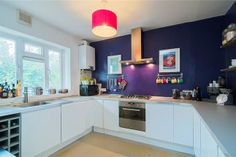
<point>7,61</point>
<point>33,49</point>
<point>35,62</point>
<point>55,69</point>
<point>33,73</point>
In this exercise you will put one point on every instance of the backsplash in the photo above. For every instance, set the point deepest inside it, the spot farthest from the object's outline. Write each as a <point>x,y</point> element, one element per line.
<point>200,56</point>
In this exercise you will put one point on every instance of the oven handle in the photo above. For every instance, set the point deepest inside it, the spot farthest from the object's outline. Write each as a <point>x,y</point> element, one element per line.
<point>131,109</point>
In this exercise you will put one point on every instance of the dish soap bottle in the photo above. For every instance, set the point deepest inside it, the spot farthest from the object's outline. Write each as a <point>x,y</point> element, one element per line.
<point>18,88</point>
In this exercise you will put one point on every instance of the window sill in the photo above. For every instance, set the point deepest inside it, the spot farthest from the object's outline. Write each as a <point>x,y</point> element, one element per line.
<point>7,101</point>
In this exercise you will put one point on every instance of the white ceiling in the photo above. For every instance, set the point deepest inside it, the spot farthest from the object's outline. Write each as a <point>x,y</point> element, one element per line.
<point>74,16</point>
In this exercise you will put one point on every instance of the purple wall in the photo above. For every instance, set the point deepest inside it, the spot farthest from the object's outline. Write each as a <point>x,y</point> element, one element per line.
<point>230,52</point>
<point>200,53</point>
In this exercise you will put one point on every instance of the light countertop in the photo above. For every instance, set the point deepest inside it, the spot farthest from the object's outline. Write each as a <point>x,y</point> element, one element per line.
<point>220,120</point>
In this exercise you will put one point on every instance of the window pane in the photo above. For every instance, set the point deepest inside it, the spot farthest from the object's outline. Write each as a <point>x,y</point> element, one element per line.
<point>7,61</point>
<point>33,49</point>
<point>54,69</point>
<point>33,73</point>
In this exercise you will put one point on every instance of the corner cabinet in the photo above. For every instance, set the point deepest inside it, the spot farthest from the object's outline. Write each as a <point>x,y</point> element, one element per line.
<point>159,121</point>
<point>73,120</point>
<point>41,130</point>
<point>76,118</point>
<point>197,134</point>
<point>86,57</point>
<point>98,113</point>
<point>183,124</point>
<point>209,147</point>
<point>111,115</point>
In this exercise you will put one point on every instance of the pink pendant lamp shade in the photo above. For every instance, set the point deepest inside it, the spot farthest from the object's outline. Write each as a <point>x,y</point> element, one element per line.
<point>104,23</point>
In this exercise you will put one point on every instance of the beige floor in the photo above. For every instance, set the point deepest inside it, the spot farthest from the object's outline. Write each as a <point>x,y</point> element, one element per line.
<point>99,145</point>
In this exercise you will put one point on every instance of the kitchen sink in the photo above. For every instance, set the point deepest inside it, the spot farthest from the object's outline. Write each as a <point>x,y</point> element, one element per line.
<point>38,103</point>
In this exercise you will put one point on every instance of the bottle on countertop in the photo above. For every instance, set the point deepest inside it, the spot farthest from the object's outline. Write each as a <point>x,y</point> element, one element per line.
<point>5,90</point>
<point>10,95</point>
<point>1,90</point>
<point>13,90</point>
<point>198,94</point>
<point>18,88</point>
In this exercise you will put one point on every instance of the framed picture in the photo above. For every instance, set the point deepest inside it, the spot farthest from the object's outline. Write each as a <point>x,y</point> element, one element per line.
<point>114,65</point>
<point>169,60</point>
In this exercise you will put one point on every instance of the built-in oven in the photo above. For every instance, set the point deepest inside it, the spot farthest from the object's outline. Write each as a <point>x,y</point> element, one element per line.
<point>132,115</point>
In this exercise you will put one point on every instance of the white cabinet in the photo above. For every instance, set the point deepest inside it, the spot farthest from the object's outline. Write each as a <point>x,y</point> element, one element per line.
<point>220,153</point>
<point>98,113</point>
<point>88,109</point>
<point>41,130</point>
<point>75,119</point>
<point>86,57</point>
<point>208,144</point>
<point>197,134</point>
<point>159,121</point>
<point>111,115</point>
<point>183,124</point>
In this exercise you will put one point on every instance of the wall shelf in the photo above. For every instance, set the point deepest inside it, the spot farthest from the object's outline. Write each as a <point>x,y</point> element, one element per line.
<point>229,69</point>
<point>229,43</point>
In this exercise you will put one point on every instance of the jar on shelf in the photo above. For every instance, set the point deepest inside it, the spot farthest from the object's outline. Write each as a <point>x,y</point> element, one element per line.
<point>224,40</point>
<point>231,32</point>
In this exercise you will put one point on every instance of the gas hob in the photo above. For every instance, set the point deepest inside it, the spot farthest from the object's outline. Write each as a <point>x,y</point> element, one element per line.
<point>142,97</point>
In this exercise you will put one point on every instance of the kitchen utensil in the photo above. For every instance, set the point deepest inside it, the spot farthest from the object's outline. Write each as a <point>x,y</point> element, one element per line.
<point>164,80</point>
<point>186,94</point>
<point>173,80</point>
<point>63,91</point>
<point>122,84</point>
<point>221,81</point>
<point>168,80</point>
<point>99,88</point>
<point>158,80</point>
<point>221,99</point>
<point>175,93</point>
<point>38,90</point>
<point>52,91</point>
<point>180,80</point>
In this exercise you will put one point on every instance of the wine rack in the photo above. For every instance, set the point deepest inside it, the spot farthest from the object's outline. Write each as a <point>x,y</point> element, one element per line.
<point>10,134</point>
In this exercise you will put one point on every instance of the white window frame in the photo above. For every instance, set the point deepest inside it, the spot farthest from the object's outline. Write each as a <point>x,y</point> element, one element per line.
<point>62,59</point>
<point>17,48</point>
<point>22,54</point>
<point>33,60</point>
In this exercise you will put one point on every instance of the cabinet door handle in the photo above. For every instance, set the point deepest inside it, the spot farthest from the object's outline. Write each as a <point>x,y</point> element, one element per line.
<point>131,109</point>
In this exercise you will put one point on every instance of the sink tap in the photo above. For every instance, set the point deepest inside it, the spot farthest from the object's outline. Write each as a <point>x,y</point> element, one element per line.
<point>26,95</point>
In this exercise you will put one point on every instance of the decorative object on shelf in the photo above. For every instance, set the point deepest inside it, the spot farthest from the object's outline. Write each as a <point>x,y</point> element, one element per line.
<point>169,60</point>
<point>114,65</point>
<point>232,67</point>
<point>116,83</point>
<point>170,78</point>
<point>229,36</point>
<point>104,23</point>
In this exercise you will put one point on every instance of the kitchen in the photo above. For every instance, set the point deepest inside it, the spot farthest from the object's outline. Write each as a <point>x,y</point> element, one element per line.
<point>155,84</point>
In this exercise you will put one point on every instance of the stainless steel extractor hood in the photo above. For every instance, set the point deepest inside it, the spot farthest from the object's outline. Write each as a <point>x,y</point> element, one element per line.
<point>136,49</point>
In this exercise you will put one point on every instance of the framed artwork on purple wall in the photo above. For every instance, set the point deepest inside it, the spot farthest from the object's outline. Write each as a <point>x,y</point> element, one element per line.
<point>114,65</point>
<point>169,60</point>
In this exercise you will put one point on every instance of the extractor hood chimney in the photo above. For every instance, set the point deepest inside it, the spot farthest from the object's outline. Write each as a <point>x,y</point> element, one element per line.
<point>136,49</point>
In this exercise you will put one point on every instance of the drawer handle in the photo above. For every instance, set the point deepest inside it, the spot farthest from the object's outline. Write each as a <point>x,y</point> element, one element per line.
<point>131,109</point>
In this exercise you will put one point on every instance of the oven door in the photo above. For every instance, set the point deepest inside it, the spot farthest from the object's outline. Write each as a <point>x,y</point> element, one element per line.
<point>132,118</point>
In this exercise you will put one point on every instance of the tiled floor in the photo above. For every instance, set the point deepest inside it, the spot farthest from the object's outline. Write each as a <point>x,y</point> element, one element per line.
<point>99,145</point>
